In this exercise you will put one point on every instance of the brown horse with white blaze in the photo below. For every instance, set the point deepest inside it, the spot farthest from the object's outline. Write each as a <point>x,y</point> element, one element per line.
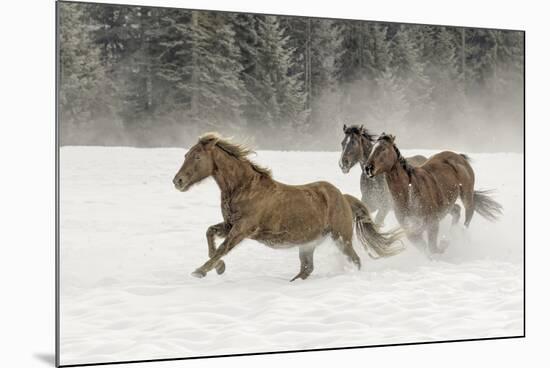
<point>255,206</point>
<point>425,194</point>
<point>356,148</point>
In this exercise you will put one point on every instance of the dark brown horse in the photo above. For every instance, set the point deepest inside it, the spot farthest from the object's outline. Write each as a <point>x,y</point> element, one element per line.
<point>356,148</point>
<point>423,195</point>
<point>255,206</point>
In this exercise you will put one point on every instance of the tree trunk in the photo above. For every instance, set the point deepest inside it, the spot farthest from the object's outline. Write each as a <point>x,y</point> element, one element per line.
<point>495,61</point>
<point>148,66</point>
<point>308,64</point>
<point>194,63</point>
<point>360,47</point>
<point>463,54</point>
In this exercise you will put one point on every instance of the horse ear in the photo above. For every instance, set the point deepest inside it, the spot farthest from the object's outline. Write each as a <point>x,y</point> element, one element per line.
<point>345,127</point>
<point>392,138</point>
<point>361,128</point>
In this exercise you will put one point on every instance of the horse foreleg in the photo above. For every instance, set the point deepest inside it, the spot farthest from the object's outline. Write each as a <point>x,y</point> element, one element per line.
<point>455,213</point>
<point>306,263</point>
<point>419,242</point>
<point>221,230</point>
<point>383,211</point>
<point>234,237</point>
<point>433,232</point>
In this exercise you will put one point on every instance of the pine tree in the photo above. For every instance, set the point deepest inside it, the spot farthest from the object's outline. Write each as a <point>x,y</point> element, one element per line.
<point>202,62</point>
<point>114,32</point>
<point>442,67</point>
<point>217,90</point>
<point>138,71</point>
<point>348,60</point>
<point>175,62</point>
<point>324,94</point>
<point>247,40</point>
<point>378,55</point>
<point>325,52</point>
<point>408,67</point>
<point>282,92</point>
<point>389,107</point>
<point>85,91</point>
<point>268,76</point>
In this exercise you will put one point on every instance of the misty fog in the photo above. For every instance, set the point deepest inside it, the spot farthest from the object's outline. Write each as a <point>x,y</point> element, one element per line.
<point>158,77</point>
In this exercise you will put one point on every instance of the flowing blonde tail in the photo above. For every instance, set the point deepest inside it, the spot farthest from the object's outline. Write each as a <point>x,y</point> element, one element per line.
<point>377,244</point>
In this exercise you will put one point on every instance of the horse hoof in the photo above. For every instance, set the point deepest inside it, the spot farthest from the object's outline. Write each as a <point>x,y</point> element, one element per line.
<point>302,276</point>
<point>198,274</point>
<point>443,245</point>
<point>220,267</point>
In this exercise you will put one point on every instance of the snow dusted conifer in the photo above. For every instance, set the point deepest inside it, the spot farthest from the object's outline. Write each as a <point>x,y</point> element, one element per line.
<point>282,92</point>
<point>408,68</point>
<point>442,67</point>
<point>218,89</point>
<point>247,40</point>
<point>85,90</point>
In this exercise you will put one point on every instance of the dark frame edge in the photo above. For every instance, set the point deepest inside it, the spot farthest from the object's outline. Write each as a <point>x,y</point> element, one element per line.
<point>57,198</point>
<point>524,187</point>
<point>293,351</point>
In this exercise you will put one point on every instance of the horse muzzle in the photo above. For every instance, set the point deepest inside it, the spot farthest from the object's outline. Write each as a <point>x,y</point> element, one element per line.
<point>180,184</point>
<point>344,166</point>
<point>369,171</point>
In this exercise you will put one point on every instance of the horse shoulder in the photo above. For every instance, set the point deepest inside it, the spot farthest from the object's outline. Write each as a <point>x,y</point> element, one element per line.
<point>417,160</point>
<point>439,161</point>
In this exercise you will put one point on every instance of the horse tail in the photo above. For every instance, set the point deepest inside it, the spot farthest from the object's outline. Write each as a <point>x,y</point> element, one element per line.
<point>376,243</point>
<point>487,206</point>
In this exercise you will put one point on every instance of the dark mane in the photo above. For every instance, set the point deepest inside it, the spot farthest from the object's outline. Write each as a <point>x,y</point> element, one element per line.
<point>360,130</point>
<point>239,151</point>
<point>402,160</point>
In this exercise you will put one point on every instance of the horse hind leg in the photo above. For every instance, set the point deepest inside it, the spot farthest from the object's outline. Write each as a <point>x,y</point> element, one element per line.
<point>467,197</point>
<point>433,232</point>
<point>346,247</point>
<point>306,262</point>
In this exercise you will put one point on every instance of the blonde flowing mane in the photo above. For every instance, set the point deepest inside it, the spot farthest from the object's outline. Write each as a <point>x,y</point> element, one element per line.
<point>239,151</point>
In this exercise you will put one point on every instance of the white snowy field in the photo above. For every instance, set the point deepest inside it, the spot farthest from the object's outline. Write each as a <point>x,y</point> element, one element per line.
<point>129,242</point>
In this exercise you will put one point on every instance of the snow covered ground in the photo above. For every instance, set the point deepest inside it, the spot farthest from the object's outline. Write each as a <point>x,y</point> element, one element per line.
<point>129,242</point>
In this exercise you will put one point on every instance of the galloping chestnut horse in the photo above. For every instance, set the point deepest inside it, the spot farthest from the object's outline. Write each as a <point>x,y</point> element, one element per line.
<point>255,206</point>
<point>423,195</point>
<point>356,148</point>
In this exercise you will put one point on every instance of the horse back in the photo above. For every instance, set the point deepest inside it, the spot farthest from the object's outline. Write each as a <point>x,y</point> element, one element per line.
<point>447,165</point>
<point>417,160</point>
<point>293,214</point>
